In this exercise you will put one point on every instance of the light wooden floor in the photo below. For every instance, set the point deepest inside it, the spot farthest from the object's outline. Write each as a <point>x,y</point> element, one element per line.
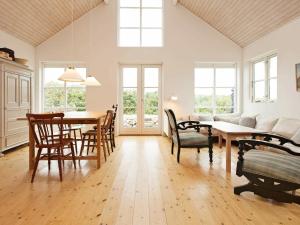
<point>141,184</point>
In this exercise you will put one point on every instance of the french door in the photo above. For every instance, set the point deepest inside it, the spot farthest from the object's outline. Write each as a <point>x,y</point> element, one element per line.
<point>140,99</point>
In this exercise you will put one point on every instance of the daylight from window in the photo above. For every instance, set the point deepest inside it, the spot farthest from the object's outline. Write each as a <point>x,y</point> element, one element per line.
<point>265,79</point>
<point>140,23</point>
<point>148,83</point>
<point>215,89</point>
<point>59,96</point>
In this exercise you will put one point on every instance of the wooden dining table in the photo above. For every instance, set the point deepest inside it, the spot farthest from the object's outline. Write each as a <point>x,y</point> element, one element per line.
<point>95,118</point>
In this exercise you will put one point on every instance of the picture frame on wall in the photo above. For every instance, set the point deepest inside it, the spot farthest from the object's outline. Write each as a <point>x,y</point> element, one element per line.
<point>298,77</point>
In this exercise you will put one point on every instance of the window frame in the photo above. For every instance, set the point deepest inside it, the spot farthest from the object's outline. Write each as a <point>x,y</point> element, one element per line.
<point>57,65</point>
<point>216,66</point>
<point>267,79</point>
<point>140,28</point>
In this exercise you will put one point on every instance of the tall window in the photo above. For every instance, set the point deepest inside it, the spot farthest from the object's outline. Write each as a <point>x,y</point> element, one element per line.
<point>59,95</point>
<point>264,79</point>
<point>215,88</point>
<point>140,23</point>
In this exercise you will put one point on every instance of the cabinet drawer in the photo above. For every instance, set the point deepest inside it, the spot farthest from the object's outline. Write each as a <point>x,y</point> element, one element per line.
<point>16,139</point>
<point>14,114</point>
<point>14,126</point>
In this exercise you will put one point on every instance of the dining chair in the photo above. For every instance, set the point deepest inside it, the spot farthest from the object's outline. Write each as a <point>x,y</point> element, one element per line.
<point>111,132</point>
<point>49,134</point>
<point>72,132</point>
<point>91,135</point>
<point>112,127</point>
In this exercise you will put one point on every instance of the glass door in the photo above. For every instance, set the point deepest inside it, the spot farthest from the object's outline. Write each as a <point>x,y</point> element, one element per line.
<point>140,99</point>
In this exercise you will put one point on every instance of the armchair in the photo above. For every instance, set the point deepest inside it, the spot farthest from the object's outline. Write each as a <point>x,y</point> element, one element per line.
<point>189,139</point>
<point>270,174</point>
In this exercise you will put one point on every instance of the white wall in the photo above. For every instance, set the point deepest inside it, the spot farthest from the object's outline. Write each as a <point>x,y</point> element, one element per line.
<point>285,41</point>
<point>21,48</point>
<point>187,39</point>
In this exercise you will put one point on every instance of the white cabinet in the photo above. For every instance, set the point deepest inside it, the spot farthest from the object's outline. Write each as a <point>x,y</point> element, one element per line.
<point>15,102</point>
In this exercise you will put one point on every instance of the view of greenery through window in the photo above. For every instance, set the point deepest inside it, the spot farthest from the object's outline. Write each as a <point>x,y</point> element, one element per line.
<point>56,92</point>
<point>215,90</point>
<point>150,102</point>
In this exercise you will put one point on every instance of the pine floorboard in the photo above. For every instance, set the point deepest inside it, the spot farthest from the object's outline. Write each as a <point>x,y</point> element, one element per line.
<point>140,184</point>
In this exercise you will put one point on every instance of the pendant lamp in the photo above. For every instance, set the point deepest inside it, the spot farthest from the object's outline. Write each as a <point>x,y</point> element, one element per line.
<point>71,75</point>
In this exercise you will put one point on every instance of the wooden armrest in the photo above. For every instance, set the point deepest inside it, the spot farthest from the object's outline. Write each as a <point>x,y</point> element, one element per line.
<point>269,137</point>
<point>249,144</point>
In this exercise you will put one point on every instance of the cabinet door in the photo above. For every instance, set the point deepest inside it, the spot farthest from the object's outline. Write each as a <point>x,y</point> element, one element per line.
<point>11,90</point>
<point>24,88</point>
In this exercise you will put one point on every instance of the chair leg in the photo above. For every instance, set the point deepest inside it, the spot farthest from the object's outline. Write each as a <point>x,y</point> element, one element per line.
<point>111,140</point>
<point>49,162</point>
<point>113,137</point>
<point>210,151</point>
<point>107,145</point>
<point>178,155</point>
<point>75,141</point>
<point>88,145</point>
<point>198,150</point>
<point>82,145</point>
<point>73,155</point>
<point>103,143</point>
<point>172,148</point>
<point>59,151</point>
<point>94,143</point>
<point>37,159</point>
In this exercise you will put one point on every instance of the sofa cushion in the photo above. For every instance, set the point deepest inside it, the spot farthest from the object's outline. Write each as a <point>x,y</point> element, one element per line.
<point>199,117</point>
<point>296,137</point>
<point>191,139</point>
<point>286,127</point>
<point>247,121</point>
<point>265,124</point>
<point>269,164</point>
<point>228,118</point>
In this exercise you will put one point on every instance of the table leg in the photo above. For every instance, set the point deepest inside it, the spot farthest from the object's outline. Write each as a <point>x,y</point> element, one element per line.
<point>98,143</point>
<point>31,149</point>
<point>220,141</point>
<point>228,153</point>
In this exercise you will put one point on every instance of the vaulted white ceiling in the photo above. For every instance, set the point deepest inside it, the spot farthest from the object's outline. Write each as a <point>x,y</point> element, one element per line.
<point>243,21</point>
<point>34,21</point>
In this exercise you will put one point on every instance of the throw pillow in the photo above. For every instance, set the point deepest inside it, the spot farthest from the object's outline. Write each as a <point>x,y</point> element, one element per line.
<point>247,122</point>
<point>286,127</point>
<point>265,124</point>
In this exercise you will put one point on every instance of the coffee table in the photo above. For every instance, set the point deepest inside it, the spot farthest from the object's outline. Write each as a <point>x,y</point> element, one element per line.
<point>229,132</point>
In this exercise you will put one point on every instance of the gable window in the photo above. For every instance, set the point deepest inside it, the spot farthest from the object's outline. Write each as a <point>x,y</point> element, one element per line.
<point>140,23</point>
<point>215,88</point>
<point>60,96</point>
<point>264,79</point>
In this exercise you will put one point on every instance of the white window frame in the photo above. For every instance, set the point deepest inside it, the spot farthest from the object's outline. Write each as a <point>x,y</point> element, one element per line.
<point>56,65</point>
<point>214,87</point>
<point>267,78</point>
<point>140,27</point>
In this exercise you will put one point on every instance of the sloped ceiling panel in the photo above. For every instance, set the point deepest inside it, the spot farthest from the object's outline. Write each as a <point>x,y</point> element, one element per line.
<point>34,21</point>
<point>244,21</point>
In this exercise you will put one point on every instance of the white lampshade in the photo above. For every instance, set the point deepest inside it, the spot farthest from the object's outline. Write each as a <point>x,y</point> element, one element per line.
<point>71,75</point>
<point>91,81</point>
<point>174,98</point>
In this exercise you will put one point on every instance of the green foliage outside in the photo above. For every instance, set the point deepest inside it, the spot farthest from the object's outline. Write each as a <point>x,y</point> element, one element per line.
<point>130,99</point>
<point>54,98</point>
<point>224,104</point>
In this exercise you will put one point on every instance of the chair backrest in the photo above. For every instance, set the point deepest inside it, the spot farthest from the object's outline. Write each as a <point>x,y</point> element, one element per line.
<point>172,123</point>
<point>47,128</point>
<point>108,119</point>
<point>115,109</point>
